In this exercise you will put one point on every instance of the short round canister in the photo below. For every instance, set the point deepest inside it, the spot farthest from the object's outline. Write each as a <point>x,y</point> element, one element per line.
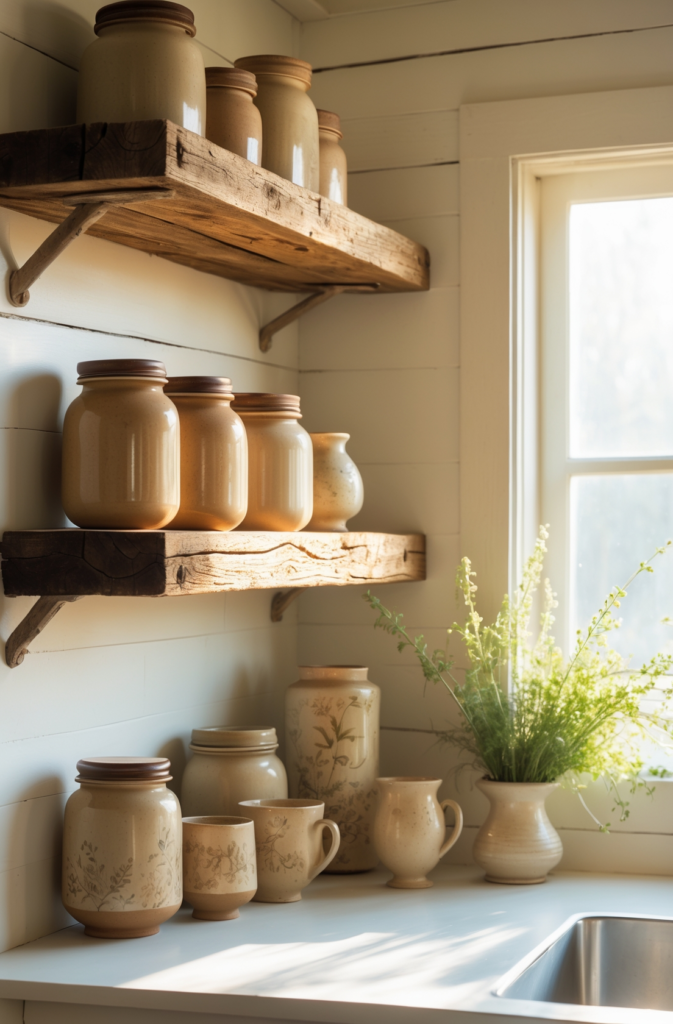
<point>121,447</point>
<point>333,166</point>
<point>144,66</point>
<point>122,847</point>
<point>280,466</point>
<point>233,121</point>
<point>231,764</point>
<point>213,455</point>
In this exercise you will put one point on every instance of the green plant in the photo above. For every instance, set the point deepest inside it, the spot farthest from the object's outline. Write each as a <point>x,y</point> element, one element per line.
<point>526,714</point>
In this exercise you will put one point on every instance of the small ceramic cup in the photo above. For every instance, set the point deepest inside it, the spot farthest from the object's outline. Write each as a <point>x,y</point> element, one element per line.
<point>409,829</point>
<point>289,840</point>
<point>219,863</point>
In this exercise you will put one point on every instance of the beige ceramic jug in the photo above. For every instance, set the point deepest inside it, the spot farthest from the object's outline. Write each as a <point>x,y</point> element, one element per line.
<point>338,493</point>
<point>517,844</point>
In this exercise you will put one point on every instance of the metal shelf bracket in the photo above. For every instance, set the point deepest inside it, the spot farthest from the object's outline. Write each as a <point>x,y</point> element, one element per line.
<point>30,627</point>
<point>316,299</point>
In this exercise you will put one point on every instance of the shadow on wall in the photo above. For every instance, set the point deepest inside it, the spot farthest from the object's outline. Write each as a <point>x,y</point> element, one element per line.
<point>32,455</point>
<point>45,20</point>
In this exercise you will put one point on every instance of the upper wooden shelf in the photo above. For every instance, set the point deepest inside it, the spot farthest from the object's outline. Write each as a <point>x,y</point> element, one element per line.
<point>226,217</point>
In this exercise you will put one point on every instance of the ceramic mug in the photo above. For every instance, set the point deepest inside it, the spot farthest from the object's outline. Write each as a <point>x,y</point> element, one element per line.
<point>409,829</point>
<point>219,864</point>
<point>289,841</point>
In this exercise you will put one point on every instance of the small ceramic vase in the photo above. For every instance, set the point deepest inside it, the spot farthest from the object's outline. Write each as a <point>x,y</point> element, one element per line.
<point>220,866</point>
<point>289,841</point>
<point>409,829</point>
<point>233,121</point>
<point>338,494</point>
<point>517,844</point>
<point>333,168</point>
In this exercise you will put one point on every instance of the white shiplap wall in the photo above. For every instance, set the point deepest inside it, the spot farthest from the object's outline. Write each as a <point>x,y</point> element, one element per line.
<point>387,369</point>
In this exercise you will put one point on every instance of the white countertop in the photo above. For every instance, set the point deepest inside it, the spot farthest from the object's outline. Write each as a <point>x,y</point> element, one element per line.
<point>349,948</point>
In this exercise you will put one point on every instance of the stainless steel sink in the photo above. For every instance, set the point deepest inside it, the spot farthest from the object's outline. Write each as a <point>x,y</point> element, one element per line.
<point>599,960</point>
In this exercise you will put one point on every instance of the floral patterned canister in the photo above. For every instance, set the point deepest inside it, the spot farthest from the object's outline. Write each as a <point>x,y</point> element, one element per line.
<point>332,741</point>
<point>122,847</point>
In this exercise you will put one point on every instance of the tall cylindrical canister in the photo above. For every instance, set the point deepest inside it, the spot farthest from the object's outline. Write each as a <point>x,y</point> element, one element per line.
<point>231,764</point>
<point>233,121</point>
<point>333,167</point>
<point>121,447</point>
<point>289,118</point>
<point>144,66</point>
<point>280,462</point>
<point>213,455</point>
<point>332,737</point>
<point>122,847</point>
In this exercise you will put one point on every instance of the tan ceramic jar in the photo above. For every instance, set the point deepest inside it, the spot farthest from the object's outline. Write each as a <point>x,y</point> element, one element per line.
<point>213,455</point>
<point>338,493</point>
<point>220,865</point>
<point>332,735</point>
<point>122,847</point>
<point>232,120</point>
<point>289,118</point>
<point>280,463</point>
<point>144,66</point>
<point>121,447</point>
<point>231,764</point>
<point>333,167</point>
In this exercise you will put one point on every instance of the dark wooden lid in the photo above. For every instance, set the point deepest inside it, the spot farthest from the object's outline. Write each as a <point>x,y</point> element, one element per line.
<point>254,401</point>
<point>276,64</point>
<point>198,386</point>
<point>146,10</point>
<point>231,78</point>
<point>330,122</point>
<point>124,769</point>
<point>121,368</point>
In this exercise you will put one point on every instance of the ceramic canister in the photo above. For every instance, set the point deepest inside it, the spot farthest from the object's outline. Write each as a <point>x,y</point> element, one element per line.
<point>517,844</point>
<point>144,66</point>
<point>233,121</point>
<point>280,462</point>
<point>332,736</point>
<point>121,447</point>
<point>122,847</point>
<point>333,167</point>
<point>229,764</point>
<point>338,493</point>
<point>220,865</point>
<point>289,119</point>
<point>213,455</point>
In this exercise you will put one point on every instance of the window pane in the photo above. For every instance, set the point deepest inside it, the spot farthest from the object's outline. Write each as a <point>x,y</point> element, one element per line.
<point>621,328</point>
<point>616,522</point>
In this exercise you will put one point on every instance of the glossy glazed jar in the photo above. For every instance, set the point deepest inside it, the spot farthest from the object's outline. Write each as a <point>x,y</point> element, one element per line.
<point>122,847</point>
<point>144,66</point>
<point>333,167</point>
<point>338,493</point>
<point>121,447</point>
<point>332,736</point>
<point>231,764</point>
<point>213,455</point>
<point>232,120</point>
<point>280,466</point>
<point>289,118</point>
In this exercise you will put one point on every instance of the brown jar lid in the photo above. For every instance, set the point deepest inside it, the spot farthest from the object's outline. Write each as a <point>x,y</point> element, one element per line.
<point>124,769</point>
<point>121,368</point>
<point>330,122</point>
<point>275,64</point>
<point>254,401</point>
<point>198,386</point>
<point>235,736</point>
<point>231,78</point>
<point>146,10</point>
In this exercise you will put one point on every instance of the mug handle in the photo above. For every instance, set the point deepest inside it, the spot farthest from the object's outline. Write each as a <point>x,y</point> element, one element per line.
<point>457,828</point>
<point>334,848</point>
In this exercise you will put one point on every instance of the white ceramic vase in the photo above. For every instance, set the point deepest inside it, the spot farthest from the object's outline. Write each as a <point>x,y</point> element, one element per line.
<point>517,844</point>
<point>338,494</point>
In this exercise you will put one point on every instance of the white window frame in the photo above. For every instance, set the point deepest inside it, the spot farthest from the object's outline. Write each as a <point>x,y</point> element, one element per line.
<point>504,148</point>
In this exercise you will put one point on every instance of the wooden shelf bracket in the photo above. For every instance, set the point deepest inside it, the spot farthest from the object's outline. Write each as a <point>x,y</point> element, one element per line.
<point>30,627</point>
<point>282,601</point>
<point>316,299</point>
<point>88,208</point>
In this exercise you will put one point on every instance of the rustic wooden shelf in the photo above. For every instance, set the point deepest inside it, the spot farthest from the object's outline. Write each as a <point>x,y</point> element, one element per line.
<point>60,566</point>
<point>225,216</point>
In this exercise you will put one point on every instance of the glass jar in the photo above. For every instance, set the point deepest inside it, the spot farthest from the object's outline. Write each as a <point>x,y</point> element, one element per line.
<point>213,455</point>
<point>289,118</point>
<point>333,167</point>
<point>232,119</point>
<point>121,447</point>
<point>144,66</point>
<point>280,453</point>
<point>332,735</point>
<point>122,847</point>
<point>231,764</point>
